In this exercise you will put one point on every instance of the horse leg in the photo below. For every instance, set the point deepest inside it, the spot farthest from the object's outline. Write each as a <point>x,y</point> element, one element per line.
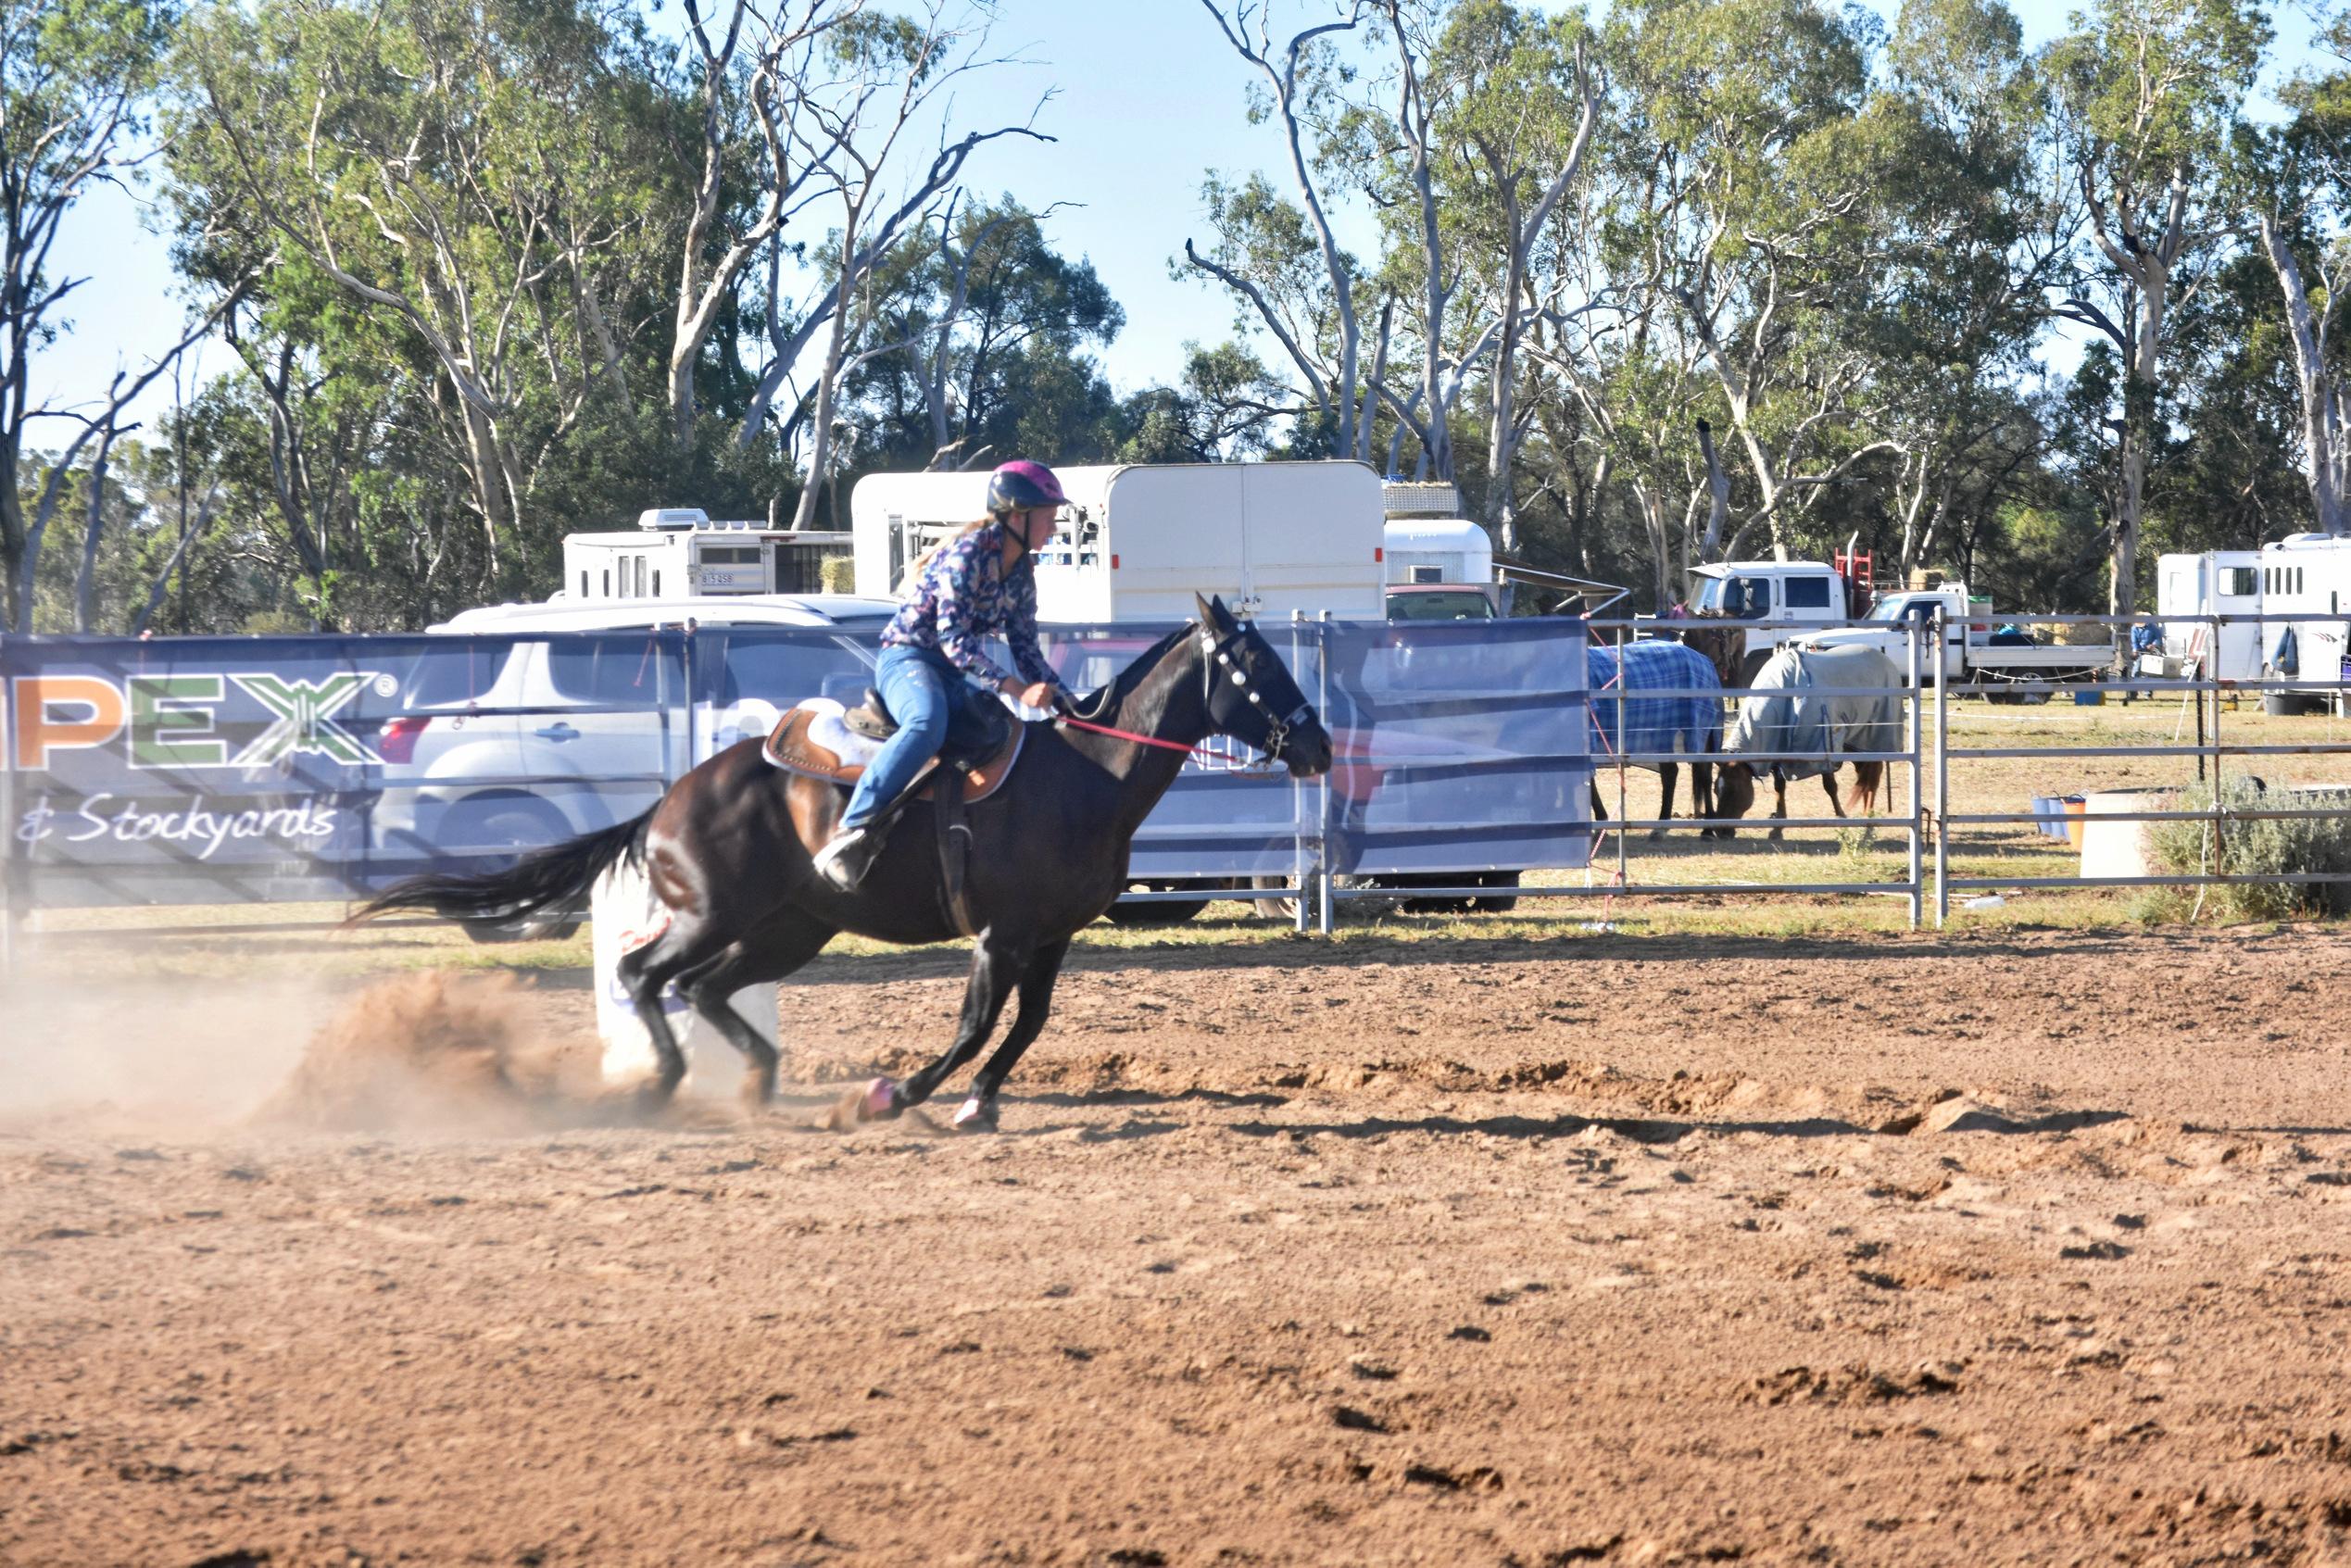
<point>978,1113</point>
<point>1778,800</point>
<point>774,950</point>
<point>1828,783</point>
<point>1668,774</point>
<point>642,974</point>
<point>997,964</point>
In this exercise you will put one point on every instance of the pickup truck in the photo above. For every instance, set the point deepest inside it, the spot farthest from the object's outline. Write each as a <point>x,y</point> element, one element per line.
<point>1769,590</point>
<point>1969,655</point>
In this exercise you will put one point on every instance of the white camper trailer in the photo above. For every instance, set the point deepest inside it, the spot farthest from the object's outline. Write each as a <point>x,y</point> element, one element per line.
<point>677,552</point>
<point>1137,542</point>
<point>1441,566</point>
<point>2308,578</point>
<point>2223,583</point>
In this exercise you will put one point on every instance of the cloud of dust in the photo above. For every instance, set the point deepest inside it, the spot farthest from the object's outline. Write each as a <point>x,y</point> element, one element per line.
<point>174,1056</point>
<point>162,1054</point>
<point>436,1052</point>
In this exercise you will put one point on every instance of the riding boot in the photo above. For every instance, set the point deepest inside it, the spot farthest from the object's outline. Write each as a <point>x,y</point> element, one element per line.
<point>851,854</point>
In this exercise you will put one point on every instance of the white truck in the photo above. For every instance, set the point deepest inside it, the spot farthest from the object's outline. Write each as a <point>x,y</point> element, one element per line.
<point>1969,656</point>
<point>1809,592</point>
<point>2222,583</point>
<point>1137,542</point>
<point>2307,577</point>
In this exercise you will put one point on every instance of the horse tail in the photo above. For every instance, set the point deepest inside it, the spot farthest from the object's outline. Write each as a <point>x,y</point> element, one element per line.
<point>1868,777</point>
<point>557,877</point>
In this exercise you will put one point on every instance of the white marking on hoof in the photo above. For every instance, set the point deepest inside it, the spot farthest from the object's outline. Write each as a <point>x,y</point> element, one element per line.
<point>880,1103</point>
<point>974,1115</point>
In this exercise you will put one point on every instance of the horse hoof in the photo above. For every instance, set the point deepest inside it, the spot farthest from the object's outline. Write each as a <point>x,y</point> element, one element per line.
<point>975,1115</point>
<point>881,1102</point>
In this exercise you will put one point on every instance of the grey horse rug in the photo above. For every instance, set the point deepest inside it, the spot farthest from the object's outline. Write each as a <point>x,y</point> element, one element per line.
<point>1810,708</point>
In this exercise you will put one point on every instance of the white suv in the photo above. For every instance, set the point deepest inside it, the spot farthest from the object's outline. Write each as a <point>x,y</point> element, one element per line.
<point>511,745</point>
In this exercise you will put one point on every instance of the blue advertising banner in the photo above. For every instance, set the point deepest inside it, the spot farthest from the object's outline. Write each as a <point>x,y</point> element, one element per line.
<point>1462,746</point>
<point>232,769</point>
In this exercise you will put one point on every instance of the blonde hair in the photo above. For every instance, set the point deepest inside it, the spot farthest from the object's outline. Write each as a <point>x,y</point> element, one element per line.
<point>922,563</point>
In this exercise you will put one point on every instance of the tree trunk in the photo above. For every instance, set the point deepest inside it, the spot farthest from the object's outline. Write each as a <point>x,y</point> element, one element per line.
<point>821,433</point>
<point>2326,453</point>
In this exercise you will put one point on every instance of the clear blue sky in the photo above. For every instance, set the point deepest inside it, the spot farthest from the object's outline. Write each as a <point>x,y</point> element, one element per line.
<point>1148,96</point>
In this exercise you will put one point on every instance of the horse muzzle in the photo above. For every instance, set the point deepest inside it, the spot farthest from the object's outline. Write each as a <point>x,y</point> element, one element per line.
<point>1306,751</point>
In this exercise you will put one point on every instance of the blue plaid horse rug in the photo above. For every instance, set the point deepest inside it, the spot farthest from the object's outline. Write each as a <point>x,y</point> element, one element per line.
<point>1653,700</point>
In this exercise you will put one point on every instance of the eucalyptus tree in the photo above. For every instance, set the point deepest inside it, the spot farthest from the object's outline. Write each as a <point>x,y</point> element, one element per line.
<point>2151,91</point>
<point>1517,100</point>
<point>1973,232</point>
<point>1281,259</point>
<point>975,323</point>
<point>75,80</point>
<point>889,71</point>
<point>2302,215</point>
<point>1771,250</point>
<point>1619,386</point>
<point>759,60</point>
<point>1466,141</point>
<point>463,170</point>
<point>1223,409</point>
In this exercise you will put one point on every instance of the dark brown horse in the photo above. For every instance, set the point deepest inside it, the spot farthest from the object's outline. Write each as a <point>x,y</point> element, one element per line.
<point>725,853</point>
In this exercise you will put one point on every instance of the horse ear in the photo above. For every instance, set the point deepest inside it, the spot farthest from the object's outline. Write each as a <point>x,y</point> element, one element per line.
<point>1224,621</point>
<point>1207,610</point>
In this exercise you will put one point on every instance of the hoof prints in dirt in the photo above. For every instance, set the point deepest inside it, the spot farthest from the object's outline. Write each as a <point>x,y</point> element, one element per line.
<point>1854,1385</point>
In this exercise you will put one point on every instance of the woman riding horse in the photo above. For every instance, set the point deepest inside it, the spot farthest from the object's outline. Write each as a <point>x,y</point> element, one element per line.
<point>729,853</point>
<point>984,580</point>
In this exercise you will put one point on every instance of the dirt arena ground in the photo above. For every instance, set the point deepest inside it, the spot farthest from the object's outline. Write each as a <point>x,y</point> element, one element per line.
<point>1976,1250</point>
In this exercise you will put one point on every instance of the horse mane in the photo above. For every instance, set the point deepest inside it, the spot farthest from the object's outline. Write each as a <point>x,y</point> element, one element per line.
<point>1109,699</point>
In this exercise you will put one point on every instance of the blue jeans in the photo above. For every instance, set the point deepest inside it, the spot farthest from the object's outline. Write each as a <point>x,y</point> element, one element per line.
<point>925,695</point>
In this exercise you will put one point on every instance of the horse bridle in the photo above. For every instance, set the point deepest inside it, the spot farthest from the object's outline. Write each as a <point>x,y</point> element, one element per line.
<point>1219,655</point>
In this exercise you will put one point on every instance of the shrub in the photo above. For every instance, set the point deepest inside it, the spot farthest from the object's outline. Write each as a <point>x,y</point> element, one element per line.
<point>2254,848</point>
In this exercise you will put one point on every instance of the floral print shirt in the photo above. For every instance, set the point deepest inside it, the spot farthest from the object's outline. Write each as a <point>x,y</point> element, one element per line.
<point>964,595</point>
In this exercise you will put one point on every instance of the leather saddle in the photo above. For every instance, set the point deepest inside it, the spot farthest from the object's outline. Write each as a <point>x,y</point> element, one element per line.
<point>983,745</point>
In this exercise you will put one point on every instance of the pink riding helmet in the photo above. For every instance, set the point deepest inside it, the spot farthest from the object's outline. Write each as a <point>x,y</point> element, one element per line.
<point>1021,484</point>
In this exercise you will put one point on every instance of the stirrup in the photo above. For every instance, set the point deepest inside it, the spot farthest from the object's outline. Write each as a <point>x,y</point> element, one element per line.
<point>848,856</point>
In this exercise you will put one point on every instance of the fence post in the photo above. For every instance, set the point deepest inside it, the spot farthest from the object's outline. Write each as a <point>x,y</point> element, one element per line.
<point>14,845</point>
<point>1917,814</point>
<point>1299,873</point>
<point>1623,811</point>
<point>685,679</point>
<point>1943,776</point>
<point>1323,879</point>
<point>2219,781</point>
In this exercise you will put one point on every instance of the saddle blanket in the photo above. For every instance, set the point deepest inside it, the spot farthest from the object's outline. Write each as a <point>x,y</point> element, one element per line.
<point>815,741</point>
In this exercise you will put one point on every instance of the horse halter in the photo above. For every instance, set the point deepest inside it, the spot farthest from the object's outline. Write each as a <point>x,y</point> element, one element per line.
<point>1217,654</point>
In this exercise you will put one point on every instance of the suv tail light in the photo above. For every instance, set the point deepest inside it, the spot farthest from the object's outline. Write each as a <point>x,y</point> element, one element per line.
<point>396,741</point>
<point>1978,625</point>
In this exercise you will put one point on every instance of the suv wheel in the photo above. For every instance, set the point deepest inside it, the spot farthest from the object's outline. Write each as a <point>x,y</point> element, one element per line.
<point>524,822</point>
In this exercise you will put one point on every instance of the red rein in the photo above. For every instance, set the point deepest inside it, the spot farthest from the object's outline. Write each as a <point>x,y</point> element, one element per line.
<point>1125,735</point>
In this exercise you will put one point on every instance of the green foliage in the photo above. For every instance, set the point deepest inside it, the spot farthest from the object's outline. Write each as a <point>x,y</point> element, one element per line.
<point>2314,844</point>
